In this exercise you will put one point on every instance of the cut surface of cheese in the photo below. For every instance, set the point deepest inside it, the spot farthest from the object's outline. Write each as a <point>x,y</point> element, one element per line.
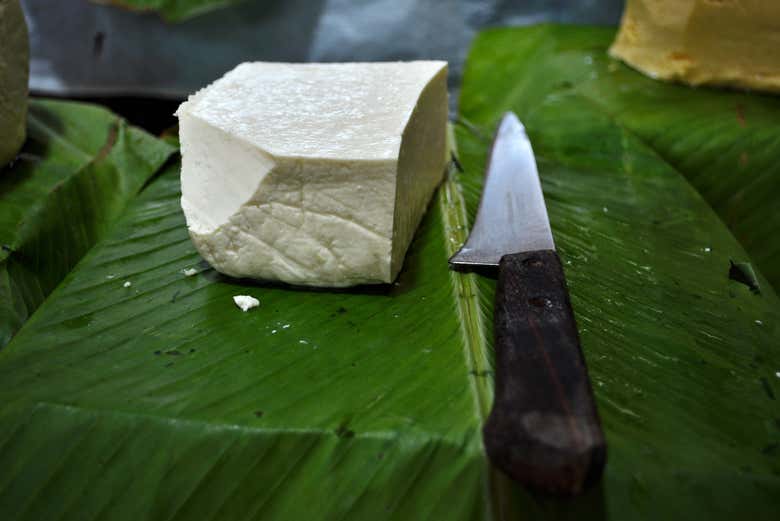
<point>732,43</point>
<point>313,174</point>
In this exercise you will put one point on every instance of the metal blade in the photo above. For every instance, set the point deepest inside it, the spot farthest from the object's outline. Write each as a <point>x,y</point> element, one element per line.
<point>512,217</point>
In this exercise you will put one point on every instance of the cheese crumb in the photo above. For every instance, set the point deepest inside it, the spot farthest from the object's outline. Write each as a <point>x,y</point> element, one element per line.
<point>127,284</point>
<point>189,272</point>
<point>245,302</point>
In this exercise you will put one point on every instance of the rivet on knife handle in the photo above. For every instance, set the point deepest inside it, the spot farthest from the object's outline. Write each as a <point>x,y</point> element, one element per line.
<point>544,429</point>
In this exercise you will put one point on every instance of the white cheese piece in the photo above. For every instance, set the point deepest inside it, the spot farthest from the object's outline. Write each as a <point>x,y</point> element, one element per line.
<point>127,284</point>
<point>314,174</point>
<point>245,302</point>
<point>189,272</point>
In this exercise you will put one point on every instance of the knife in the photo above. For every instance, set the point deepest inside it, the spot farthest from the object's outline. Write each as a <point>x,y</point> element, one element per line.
<point>544,429</point>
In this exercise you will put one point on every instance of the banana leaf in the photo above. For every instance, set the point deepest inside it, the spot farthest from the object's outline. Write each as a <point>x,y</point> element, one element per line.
<point>162,400</point>
<point>683,355</point>
<point>726,143</point>
<point>171,10</point>
<point>79,167</point>
<point>172,402</point>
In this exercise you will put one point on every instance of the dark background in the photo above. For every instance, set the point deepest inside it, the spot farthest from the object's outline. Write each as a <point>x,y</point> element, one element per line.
<point>133,62</point>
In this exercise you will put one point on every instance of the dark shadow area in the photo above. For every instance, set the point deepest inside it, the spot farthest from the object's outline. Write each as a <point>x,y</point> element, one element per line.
<point>743,273</point>
<point>152,115</point>
<point>590,505</point>
<point>511,499</point>
<point>483,271</point>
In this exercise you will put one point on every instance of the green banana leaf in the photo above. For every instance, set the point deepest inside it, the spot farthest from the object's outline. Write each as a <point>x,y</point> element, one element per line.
<point>162,400</point>
<point>684,360</point>
<point>172,10</point>
<point>79,167</point>
<point>726,143</point>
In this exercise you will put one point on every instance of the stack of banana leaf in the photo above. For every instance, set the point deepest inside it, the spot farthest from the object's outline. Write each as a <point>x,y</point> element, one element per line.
<point>130,390</point>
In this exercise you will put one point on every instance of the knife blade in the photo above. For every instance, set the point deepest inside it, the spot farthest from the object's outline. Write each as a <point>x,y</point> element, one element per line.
<point>543,430</point>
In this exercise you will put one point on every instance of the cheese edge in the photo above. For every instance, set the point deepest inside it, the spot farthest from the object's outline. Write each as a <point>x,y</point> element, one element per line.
<point>428,162</point>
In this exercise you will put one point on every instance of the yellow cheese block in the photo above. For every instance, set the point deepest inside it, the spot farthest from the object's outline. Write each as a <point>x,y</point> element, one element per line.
<point>717,42</point>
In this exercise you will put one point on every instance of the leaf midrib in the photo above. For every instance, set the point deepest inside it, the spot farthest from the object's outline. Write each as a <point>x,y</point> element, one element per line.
<point>475,347</point>
<point>465,291</point>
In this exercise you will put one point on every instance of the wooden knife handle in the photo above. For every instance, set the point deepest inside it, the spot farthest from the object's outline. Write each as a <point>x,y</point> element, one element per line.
<point>543,430</point>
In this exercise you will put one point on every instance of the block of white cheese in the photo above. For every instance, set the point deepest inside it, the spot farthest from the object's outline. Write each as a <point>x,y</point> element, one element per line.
<point>313,174</point>
<point>720,42</point>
